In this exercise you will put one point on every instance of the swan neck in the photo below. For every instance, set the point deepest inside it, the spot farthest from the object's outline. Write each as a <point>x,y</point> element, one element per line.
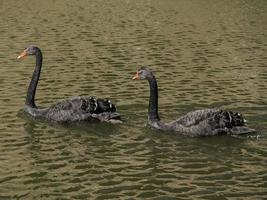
<point>30,99</point>
<point>153,100</point>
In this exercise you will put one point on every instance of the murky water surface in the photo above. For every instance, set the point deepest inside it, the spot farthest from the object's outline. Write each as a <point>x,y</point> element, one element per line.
<point>204,54</point>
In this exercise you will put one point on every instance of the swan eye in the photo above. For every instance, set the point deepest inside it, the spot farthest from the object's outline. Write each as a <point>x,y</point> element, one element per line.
<point>140,72</point>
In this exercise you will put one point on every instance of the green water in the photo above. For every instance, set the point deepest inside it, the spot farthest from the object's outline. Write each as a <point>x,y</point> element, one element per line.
<point>204,54</point>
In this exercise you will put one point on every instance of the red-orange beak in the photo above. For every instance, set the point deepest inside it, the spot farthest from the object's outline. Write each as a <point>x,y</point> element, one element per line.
<point>23,54</point>
<point>136,77</point>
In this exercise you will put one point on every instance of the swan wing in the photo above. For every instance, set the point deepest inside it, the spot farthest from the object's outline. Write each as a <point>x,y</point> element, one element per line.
<point>211,122</point>
<point>196,117</point>
<point>79,108</point>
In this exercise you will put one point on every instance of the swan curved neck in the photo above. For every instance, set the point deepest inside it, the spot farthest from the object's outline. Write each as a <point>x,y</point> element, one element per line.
<point>30,99</point>
<point>153,100</point>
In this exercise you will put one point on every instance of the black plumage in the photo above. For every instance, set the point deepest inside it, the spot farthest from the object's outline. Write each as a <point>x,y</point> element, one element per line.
<point>74,109</point>
<point>195,123</point>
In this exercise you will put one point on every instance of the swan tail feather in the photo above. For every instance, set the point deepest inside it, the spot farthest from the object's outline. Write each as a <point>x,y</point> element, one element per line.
<point>235,123</point>
<point>112,117</point>
<point>230,119</point>
<point>240,130</point>
<point>105,105</point>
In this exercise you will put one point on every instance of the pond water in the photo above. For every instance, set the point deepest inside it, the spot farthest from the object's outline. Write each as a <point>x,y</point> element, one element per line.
<point>204,54</point>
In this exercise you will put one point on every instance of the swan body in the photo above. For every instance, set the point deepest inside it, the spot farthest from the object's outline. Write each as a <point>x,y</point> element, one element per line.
<point>73,109</point>
<point>203,122</point>
<point>76,109</point>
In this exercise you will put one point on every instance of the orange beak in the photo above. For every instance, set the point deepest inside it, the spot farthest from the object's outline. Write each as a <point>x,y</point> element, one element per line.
<point>23,54</point>
<point>136,77</point>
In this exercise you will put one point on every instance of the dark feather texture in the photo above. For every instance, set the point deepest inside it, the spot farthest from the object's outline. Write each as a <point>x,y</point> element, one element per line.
<point>69,110</point>
<point>196,123</point>
<point>78,109</point>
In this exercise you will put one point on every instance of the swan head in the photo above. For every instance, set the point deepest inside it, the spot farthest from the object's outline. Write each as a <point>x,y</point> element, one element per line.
<point>143,73</point>
<point>30,50</point>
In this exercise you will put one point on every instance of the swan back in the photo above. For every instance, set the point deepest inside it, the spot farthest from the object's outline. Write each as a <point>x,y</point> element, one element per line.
<point>76,109</point>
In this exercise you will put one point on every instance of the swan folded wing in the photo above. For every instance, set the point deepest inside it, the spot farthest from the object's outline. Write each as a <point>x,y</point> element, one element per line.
<point>203,128</point>
<point>79,108</point>
<point>195,117</point>
<point>211,122</point>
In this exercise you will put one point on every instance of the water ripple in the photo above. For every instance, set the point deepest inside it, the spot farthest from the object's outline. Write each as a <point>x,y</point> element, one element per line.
<point>202,57</point>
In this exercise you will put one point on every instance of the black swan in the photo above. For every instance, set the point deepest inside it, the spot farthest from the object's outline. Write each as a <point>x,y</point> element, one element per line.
<point>196,123</point>
<point>74,109</point>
